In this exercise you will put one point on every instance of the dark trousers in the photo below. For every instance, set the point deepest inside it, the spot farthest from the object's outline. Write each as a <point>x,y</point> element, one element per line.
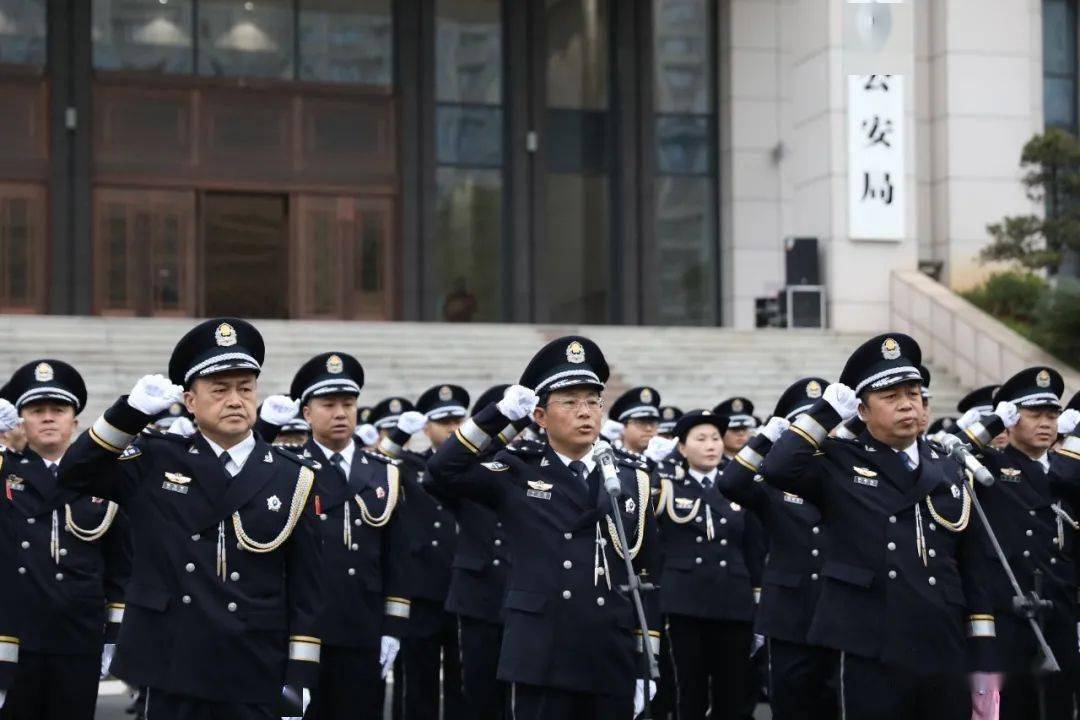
<point>53,687</point>
<point>870,690</point>
<point>710,655</point>
<point>350,685</point>
<point>531,702</point>
<point>161,705</point>
<point>422,658</point>
<point>480,644</point>
<point>802,681</point>
<point>1020,696</point>
<point>663,705</point>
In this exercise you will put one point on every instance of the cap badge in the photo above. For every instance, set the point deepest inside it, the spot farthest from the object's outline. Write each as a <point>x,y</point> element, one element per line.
<point>334,366</point>
<point>737,405</point>
<point>43,372</point>
<point>575,353</point>
<point>1043,379</point>
<point>890,349</point>
<point>175,409</point>
<point>395,406</point>
<point>225,335</point>
<point>365,414</point>
<point>669,414</point>
<point>646,395</point>
<point>813,389</point>
<point>445,393</point>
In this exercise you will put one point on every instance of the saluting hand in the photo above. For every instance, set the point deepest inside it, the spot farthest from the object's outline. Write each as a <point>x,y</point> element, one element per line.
<point>154,393</point>
<point>517,402</point>
<point>9,418</point>
<point>279,409</point>
<point>842,399</point>
<point>388,651</point>
<point>411,422</point>
<point>968,419</point>
<point>1068,421</point>
<point>1008,412</point>
<point>776,427</point>
<point>659,448</point>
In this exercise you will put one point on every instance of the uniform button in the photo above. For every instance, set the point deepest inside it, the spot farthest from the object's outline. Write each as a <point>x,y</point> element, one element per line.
<point>1031,513</point>
<point>1053,561</point>
<point>439,508</point>
<point>434,543</point>
<point>568,535</point>
<point>932,552</point>
<point>1027,553</point>
<point>815,552</point>
<point>186,599</point>
<point>698,538</point>
<point>932,580</point>
<point>196,537</point>
<point>352,571</point>
<point>933,526</point>
<point>354,546</point>
<point>815,530</point>
<point>600,601</point>
<point>63,552</point>
<point>1029,533</point>
<point>239,546</point>
<point>30,521</point>
<point>22,571</point>
<point>891,546</point>
<point>723,521</point>
<point>59,576</point>
<point>437,524</point>
<point>234,576</point>
<point>190,567</point>
<point>697,560</point>
<point>498,524</point>
<point>24,544</point>
<point>565,594</point>
<point>495,562</point>
<point>813,576</point>
<point>357,522</point>
<point>892,519</point>
<point>698,519</point>
<point>498,542</point>
<point>892,574</point>
<point>231,607</point>
<point>322,516</point>
<point>723,563</point>
<point>723,541</point>
<point>567,564</point>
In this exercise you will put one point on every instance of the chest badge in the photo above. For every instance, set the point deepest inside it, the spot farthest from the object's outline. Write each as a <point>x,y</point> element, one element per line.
<point>630,505</point>
<point>269,456</point>
<point>539,489</point>
<point>176,482</point>
<point>955,491</point>
<point>273,503</point>
<point>380,493</point>
<point>736,507</point>
<point>1010,475</point>
<point>683,503</point>
<point>792,498</point>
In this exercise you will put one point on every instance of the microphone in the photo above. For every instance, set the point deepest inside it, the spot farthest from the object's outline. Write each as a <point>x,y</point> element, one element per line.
<point>959,452</point>
<point>605,458</point>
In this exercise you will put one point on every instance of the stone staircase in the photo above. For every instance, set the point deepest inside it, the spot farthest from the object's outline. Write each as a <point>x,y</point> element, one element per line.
<point>692,367</point>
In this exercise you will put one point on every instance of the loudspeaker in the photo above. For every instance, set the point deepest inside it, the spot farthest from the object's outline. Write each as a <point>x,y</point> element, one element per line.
<point>801,261</point>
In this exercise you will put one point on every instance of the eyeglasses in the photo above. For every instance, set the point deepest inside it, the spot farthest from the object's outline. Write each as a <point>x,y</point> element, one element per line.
<point>590,404</point>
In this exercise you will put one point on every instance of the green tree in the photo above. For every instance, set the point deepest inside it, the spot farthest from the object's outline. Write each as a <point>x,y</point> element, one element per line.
<point>1051,162</point>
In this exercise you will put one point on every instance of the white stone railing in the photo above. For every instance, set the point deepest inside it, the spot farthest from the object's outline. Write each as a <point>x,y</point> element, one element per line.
<point>960,338</point>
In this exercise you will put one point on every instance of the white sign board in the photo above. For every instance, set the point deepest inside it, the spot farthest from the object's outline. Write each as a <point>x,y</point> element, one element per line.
<point>876,183</point>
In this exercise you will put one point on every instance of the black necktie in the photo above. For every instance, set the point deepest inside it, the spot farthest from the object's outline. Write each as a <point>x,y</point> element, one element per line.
<point>336,460</point>
<point>54,468</point>
<point>706,482</point>
<point>908,462</point>
<point>580,471</point>
<point>224,457</point>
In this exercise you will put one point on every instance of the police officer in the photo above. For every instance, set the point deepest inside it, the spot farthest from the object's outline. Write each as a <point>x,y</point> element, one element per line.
<point>364,544</point>
<point>740,414</point>
<point>431,645</point>
<point>570,644</point>
<point>70,551</point>
<point>973,406</point>
<point>1033,517</point>
<point>901,579</point>
<point>669,415</point>
<point>801,675</point>
<point>226,585</point>
<point>638,411</point>
<point>924,390</point>
<point>706,593</point>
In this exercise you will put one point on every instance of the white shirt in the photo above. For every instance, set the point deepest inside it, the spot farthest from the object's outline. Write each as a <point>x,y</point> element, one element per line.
<point>701,476</point>
<point>1044,461</point>
<point>238,453</point>
<point>346,455</point>
<point>588,460</point>
<point>912,451</point>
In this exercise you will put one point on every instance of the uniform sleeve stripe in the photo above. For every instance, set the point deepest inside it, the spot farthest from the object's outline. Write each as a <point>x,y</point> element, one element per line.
<point>9,650</point>
<point>801,433</point>
<point>108,446</point>
<point>746,463</point>
<point>397,607</point>
<point>115,613</point>
<point>389,447</point>
<point>475,437</point>
<point>978,434</point>
<point>811,429</point>
<point>304,651</point>
<point>981,628</point>
<point>111,436</point>
<point>1071,445</point>
<point>305,638</point>
<point>464,441</point>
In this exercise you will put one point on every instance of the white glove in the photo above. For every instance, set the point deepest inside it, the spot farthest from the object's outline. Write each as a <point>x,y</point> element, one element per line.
<point>411,422</point>
<point>639,695</point>
<point>305,700</point>
<point>517,402</point>
<point>9,417</point>
<point>368,434</point>
<point>659,448</point>
<point>279,409</point>
<point>1068,421</point>
<point>3,697</point>
<point>388,650</point>
<point>759,642</point>
<point>843,400</point>
<point>107,653</point>
<point>775,428</point>
<point>154,393</point>
<point>1008,412</point>
<point>612,430</point>
<point>182,426</point>
<point>968,419</point>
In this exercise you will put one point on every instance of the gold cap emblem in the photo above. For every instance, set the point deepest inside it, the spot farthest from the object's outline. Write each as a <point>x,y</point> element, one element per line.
<point>669,414</point>
<point>43,372</point>
<point>575,353</point>
<point>225,335</point>
<point>890,349</point>
<point>737,405</point>
<point>1043,379</point>
<point>813,389</point>
<point>445,393</point>
<point>646,396</point>
<point>395,405</point>
<point>334,365</point>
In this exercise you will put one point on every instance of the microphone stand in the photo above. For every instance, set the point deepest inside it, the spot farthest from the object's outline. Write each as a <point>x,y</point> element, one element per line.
<point>635,587</point>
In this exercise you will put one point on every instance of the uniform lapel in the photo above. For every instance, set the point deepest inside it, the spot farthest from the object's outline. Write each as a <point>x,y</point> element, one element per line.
<point>332,489</point>
<point>1033,490</point>
<point>252,477</point>
<point>558,474</point>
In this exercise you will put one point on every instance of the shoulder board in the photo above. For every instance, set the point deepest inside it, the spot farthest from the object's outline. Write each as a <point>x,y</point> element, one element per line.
<point>526,449</point>
<point>380,457</point>
<point>131,451</point>
<point>155,434</point>
<point>289,454</point>
<point>496,466</point>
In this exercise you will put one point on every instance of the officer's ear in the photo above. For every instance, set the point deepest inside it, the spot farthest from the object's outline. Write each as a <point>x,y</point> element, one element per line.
<point>306,410</point>
<point>189,396</point>
<point>863,410</point>
<point>540,415</point>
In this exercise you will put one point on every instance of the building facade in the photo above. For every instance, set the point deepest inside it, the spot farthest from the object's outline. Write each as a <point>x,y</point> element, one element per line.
<point>569,161</point>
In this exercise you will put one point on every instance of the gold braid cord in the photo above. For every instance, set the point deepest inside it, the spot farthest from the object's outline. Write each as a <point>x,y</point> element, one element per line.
<point>965,513</point>
<point>643,510</point>
<point>90,535</point>
<point>393,485</point>
<point>670,498</point>
<point>661,497</point>
<point>299,500</point>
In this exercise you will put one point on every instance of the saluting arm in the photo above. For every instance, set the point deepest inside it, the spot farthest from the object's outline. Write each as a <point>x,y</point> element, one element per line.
<point>737,481</point>
<point>103,461</point>
<point>458,465</point>
<point>793,463</point>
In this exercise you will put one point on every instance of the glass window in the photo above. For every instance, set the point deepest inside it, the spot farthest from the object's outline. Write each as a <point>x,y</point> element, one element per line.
<point>153,35</point>
<point>22,32</point>
<point>22,243</point>
<point>1059,64</point>
<point>347,41</point>
<point>250,39</point>
<point>685,187</point>
<point>469,152</point>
